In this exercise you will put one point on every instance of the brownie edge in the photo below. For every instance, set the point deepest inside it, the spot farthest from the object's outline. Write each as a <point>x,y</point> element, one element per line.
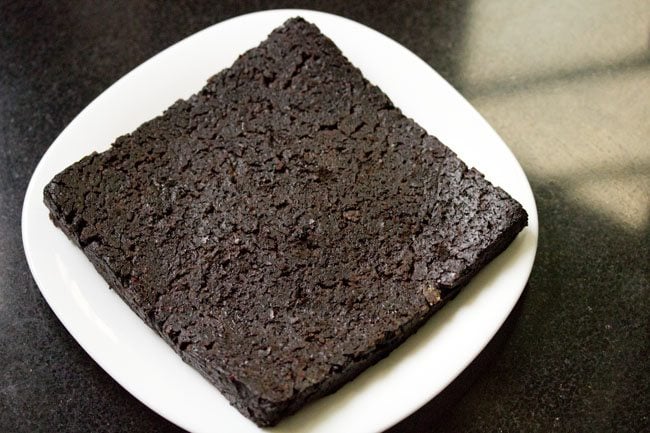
<point>285,227</point>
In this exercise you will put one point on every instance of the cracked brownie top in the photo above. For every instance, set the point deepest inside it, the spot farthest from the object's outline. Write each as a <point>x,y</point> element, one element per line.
<point>284,223</point>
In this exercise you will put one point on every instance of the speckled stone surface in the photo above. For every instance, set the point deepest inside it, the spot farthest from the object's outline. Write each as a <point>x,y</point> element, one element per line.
<point>571,104</point>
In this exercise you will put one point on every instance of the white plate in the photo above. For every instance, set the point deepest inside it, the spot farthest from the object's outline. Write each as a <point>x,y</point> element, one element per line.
<point>143,364</point>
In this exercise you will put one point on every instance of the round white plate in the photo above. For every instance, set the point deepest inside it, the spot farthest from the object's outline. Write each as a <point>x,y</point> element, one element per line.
<point>143,364</point>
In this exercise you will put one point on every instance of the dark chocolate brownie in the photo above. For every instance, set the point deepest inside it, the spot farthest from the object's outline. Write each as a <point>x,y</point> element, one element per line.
<point>286,227</point>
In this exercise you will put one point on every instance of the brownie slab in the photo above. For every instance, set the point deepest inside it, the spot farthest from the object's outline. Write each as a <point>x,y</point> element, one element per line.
<point>285,227</point>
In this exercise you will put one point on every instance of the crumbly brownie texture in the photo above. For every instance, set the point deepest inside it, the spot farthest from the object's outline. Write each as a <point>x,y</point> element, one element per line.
<point>286,227</point>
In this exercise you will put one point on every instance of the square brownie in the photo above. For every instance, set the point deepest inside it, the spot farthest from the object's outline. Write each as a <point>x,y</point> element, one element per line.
<point>286,227</point>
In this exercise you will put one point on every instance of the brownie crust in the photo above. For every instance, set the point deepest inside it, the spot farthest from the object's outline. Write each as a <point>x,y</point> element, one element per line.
<point>286,227</point>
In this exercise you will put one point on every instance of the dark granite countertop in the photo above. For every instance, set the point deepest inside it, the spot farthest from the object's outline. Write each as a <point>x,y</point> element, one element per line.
<point>567,86</point>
